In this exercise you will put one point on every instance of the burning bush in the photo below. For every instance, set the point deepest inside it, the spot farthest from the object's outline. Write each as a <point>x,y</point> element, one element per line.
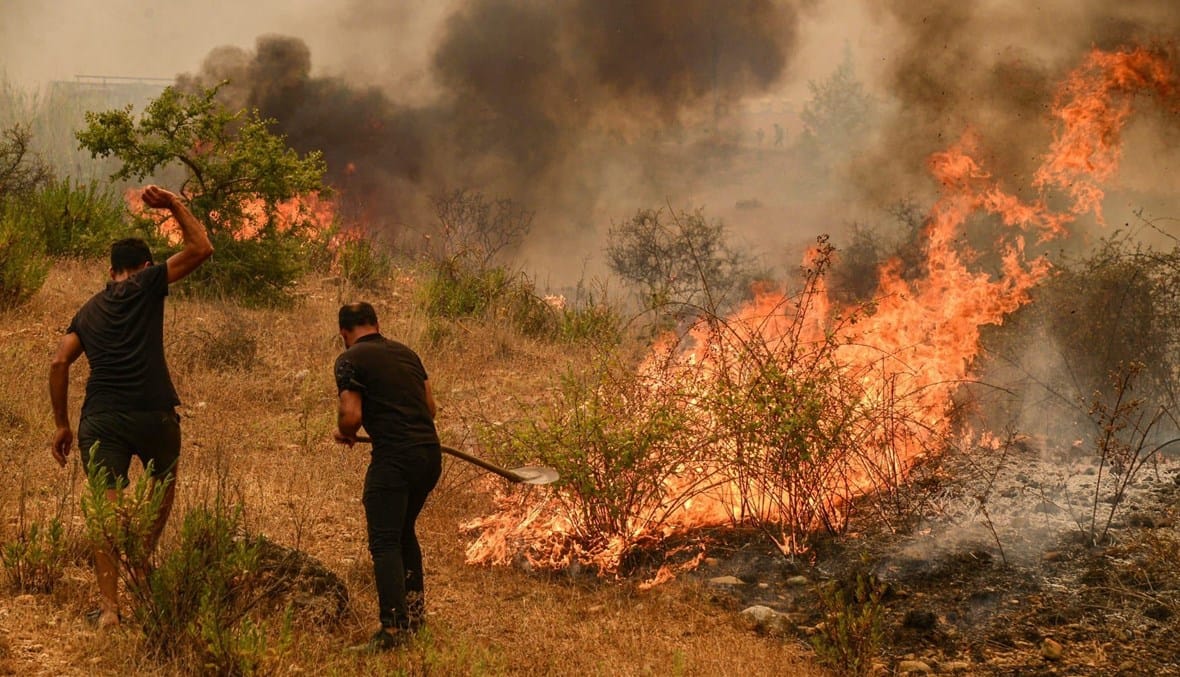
<point>755,419</point>
<point>795,406</point>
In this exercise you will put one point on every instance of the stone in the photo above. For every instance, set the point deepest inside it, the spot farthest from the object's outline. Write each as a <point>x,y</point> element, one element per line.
<point>798,580</point>
<point>920,620</point>
<point>726,581</point>
<point>953,667</point>
<point>911,667</point>
<point>296,581</point>
<point>1051,650</point>
<point>765,619</point>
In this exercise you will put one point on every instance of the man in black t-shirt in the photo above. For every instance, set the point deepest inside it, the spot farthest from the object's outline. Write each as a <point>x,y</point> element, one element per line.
<point>129,408</point>
<point>384,387</point>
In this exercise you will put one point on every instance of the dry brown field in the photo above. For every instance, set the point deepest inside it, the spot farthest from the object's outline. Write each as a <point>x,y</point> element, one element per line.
<point>257,414</point>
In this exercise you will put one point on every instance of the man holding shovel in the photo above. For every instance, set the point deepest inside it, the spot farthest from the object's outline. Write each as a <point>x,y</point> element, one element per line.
<point>129,409</point>
<point>384,387</point>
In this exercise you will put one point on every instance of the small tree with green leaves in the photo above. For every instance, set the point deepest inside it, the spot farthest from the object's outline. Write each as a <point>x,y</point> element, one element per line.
<point>238,175</point>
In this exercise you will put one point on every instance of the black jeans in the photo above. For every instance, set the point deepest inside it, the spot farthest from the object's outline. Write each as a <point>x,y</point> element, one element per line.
<point>396,486</point>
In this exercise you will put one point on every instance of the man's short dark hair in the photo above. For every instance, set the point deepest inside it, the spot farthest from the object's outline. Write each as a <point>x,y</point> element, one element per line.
<point>359,314</point>
<point>129,253</point>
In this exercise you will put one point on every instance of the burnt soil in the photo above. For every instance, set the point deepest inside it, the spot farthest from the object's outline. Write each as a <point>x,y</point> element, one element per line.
<point>985,567</point>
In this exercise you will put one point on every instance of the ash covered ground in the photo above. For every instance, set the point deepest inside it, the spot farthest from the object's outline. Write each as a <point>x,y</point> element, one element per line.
<point>990,566</point>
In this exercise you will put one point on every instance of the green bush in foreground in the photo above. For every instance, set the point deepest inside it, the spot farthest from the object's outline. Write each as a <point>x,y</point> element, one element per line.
<point>195,605</point>
<point>852,635</point>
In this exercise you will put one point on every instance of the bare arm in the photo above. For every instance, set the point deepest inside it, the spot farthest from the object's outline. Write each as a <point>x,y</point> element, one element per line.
<point>348,417</point>
<point>197,247</point>
<point>68,350</point>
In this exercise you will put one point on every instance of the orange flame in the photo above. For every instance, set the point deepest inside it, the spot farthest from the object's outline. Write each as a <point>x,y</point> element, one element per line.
<point>311,211</point>
<point>912,351</point>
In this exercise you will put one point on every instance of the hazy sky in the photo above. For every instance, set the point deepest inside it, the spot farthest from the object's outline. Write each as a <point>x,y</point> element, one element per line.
<point>45,41</point>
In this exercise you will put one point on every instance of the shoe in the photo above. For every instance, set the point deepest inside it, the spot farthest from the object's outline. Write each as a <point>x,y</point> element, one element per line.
<point>383,640</point>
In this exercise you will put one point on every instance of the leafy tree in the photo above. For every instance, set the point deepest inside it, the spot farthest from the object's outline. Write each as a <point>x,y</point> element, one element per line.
<point>237,175</point>
<point>838,116</point>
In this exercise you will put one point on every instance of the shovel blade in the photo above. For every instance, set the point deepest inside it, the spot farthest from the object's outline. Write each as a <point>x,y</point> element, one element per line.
<point>535,474</point>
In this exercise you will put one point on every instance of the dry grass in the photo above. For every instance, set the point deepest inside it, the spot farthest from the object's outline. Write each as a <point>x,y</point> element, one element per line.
<point>257,415</point>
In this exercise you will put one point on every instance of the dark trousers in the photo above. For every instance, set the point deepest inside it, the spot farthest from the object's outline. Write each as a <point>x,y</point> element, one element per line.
<point>396,486</point>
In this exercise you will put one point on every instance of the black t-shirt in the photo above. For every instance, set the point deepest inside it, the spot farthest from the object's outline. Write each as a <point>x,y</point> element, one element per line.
<point>122,333</point>
<point>392,383</point>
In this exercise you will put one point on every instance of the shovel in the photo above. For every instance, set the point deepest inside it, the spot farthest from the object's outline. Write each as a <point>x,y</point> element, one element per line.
<point>527,474</point>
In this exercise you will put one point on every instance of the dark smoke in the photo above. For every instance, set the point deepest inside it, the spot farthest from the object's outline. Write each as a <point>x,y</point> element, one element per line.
<point>536,100</point>
<point>992,67</point>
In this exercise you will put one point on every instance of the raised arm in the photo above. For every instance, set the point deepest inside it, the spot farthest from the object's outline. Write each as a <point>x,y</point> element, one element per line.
<point>68,350</point>
<point>197,247</point>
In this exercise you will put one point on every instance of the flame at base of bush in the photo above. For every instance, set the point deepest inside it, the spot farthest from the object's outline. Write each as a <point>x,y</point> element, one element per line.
<point>781,415</point>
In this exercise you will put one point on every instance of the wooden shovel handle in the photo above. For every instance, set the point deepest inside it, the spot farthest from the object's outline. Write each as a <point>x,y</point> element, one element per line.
<point>486,465</point>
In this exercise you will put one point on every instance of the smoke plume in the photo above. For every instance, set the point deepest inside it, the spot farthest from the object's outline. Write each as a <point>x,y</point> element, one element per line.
<point>992,67</point>
<point>545,102</point>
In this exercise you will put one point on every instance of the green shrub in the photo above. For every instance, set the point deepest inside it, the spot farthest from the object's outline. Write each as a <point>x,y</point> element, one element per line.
<point>122,526</point>
<point>362,264</point>
<point>240,181</point>
<point>199,596</point>
<point>196,604</point>
<point>23,263</point>
<point>35,560</point>
<point>256,272</point>
<point>78,219</point>
<point>597,323</point>
<point>455,289</point>
<point>851,636</point>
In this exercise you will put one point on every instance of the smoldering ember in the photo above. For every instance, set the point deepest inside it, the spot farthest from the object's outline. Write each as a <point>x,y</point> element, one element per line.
<point>767,337</point>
